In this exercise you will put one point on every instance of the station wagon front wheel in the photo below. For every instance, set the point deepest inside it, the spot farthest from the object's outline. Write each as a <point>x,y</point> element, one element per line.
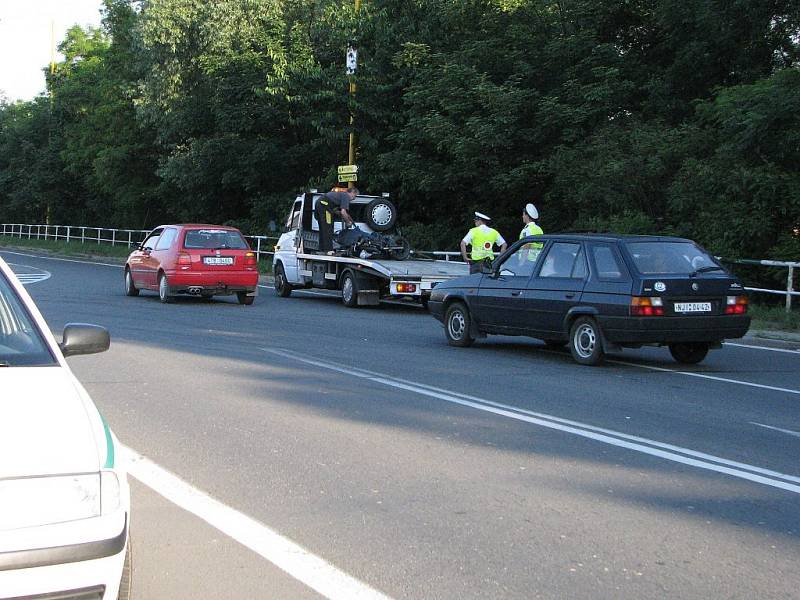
<point>457,324</point>
<point>585,341</point>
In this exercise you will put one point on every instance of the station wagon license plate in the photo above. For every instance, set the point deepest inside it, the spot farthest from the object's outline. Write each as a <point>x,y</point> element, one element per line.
<point>692,307</point>
<point>218,260</point>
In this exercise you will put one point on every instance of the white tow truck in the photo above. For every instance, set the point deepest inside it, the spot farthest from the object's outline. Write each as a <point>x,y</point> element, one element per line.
<point>362,280</point>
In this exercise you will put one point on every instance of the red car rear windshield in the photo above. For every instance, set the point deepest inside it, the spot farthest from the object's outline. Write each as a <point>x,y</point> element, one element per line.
<point>214,239</point>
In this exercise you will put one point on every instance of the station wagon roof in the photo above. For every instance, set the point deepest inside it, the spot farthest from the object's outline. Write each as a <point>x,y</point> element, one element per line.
<point>607,237</point>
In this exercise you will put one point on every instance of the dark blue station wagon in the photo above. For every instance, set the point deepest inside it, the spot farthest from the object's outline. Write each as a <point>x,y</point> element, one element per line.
<point>598,293</point>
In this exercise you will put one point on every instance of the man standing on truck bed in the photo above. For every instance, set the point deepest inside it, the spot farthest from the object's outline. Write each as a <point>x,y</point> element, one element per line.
<point>330,205</point>
<point>482,238</point>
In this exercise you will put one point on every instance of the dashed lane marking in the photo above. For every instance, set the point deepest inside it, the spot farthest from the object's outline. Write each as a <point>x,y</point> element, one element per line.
<point>788,431</point>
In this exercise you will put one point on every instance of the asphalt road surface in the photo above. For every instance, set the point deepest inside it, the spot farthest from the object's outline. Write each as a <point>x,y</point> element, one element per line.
<point>299,449</point>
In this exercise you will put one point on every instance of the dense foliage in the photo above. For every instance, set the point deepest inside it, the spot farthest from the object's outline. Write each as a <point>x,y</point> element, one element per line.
<point>675,116</point>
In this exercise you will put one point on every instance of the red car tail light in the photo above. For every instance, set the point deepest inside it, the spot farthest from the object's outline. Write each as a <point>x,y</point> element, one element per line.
<point>250,259</point>
<point>643,306</point>
<point>184,259</point>
<point>736,305</point>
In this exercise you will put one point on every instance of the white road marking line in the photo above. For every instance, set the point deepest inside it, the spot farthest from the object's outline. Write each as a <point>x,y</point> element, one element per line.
<point>653,448</point>
<point>789,431</point>
<point>704,376</point>
<point>27,278</point>
<point>311,570</point>
<point>787,351</point>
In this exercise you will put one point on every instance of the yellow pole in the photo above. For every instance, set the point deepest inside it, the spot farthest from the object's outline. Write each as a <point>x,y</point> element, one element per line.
<point>351,151</point>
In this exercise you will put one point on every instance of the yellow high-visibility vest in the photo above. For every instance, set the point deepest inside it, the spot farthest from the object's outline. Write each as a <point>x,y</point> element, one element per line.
<point>530,229</point>
<point>483,242</point>
<point>531,250</point>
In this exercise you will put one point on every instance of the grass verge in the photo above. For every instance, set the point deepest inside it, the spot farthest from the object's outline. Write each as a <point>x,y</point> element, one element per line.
<point>774,318</point>
<point>66,248</point>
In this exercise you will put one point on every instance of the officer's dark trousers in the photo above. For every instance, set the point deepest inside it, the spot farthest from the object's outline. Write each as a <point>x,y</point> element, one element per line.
<point>324,213</point>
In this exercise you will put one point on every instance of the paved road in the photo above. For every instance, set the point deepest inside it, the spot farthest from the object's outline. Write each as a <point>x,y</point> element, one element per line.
<point>402,466</point>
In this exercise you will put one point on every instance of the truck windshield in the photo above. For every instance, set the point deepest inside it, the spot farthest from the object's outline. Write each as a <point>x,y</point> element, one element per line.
<point>21,343</point>
<point>681,258</point>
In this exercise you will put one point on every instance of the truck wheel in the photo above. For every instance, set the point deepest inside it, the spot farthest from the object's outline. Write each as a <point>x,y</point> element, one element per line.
<point>282,287</point>
<point>349,290</point>
<point>456,325</point>
<point>689,353</point>
<point>380,214</point>
<point>585,341</point>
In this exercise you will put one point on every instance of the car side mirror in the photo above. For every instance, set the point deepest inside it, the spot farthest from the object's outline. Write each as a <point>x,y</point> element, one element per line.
<point>83,338</point>
<point>486,266</point>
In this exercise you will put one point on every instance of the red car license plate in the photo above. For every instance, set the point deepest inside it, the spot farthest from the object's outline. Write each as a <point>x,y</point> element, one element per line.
<point>218,260</point>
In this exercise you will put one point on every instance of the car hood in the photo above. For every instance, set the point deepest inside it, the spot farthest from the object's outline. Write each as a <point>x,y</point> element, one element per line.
<point>46,427</point>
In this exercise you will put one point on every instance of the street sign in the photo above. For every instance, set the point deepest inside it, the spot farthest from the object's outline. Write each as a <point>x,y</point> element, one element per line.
<point>348,177</point>
<point>347,170</point>
<point>351,60</point>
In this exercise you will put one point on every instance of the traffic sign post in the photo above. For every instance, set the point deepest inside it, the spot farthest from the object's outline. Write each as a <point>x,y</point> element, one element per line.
<point>348,172</point>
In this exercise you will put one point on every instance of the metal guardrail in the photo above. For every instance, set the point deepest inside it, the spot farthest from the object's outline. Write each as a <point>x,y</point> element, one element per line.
<point>108,235</point>
<point>788,292</point>
<point>259,243</point>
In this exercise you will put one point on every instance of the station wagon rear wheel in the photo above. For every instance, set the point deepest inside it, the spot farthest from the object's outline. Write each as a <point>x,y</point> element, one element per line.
<point>585,341</point>
<point>457,323</point>
<point>689,353</point>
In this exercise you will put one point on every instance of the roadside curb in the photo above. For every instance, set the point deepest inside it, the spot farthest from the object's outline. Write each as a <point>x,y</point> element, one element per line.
<point>773,336</point>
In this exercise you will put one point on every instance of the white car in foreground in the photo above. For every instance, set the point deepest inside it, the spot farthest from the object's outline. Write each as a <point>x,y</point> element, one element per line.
<point>64,496</point>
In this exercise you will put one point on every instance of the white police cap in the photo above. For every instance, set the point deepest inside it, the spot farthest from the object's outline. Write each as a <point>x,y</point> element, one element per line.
<point>531,210</point>
<point>482,216</point>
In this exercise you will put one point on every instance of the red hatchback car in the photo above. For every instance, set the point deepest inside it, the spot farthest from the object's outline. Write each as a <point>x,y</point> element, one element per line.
<point>199,260</point>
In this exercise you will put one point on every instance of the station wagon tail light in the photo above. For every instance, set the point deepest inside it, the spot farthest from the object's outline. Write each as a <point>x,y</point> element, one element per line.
<point>644,306</point>
<point>736,305</point>
<point>184,259</point>
<point>406,288</point>
<point>250,259</point>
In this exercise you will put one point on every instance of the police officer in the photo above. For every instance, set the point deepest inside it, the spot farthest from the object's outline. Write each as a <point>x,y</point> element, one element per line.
<point>482,238</point>
<point>329,206</point>
<point>529,216</point>
<point>530,251</point>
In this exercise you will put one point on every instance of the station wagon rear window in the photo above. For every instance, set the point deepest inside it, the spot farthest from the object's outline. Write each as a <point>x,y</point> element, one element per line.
<point>213,239</point>
<point>681,258</point>
<point>21,343</point>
